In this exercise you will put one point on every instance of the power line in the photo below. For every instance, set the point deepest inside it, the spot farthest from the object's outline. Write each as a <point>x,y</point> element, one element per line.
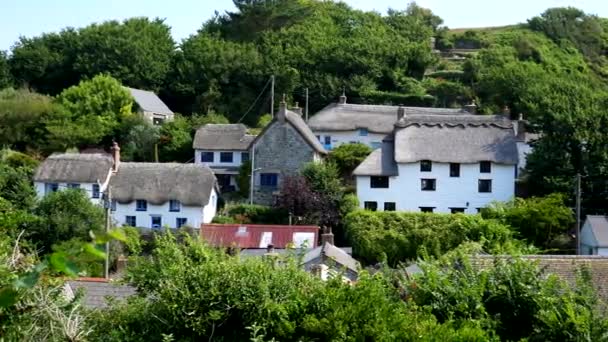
<point>256,101</point>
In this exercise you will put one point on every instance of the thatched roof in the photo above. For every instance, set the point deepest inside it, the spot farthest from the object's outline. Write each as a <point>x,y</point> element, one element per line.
<point>75,168</point>
<point>149,101</point>
<point>222,137</point>
<point>381,162</point>
<point>298,123</point>
<point>158,183</point>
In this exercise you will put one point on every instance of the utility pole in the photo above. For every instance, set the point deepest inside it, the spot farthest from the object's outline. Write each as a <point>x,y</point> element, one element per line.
<point>272,97</point>
<point>306,109</point>
<point>156,153</point>
<point>108,207</point>
<point>578,214</point>
<point>251,181</point>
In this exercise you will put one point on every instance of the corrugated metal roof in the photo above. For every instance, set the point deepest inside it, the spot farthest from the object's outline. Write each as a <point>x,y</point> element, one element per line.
<point>259,235</point>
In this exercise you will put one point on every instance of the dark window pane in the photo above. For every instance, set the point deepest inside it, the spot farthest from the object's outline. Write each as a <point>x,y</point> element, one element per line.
<point>363,132</point>
<point>457,210</point>
<point>131,221</point>
<point>156,222</point>
<point>270,180</point>
<point>207,157</point>
<point>389,206</point>
<point>427,184</point>
<point>225,157</point>
<point>327,140</point>
<point>95,193</point>
<point>373,206</point>
<point>426,166</point>
<point>244,156</point>
<point>485,167</point>
<point>427,209</point>
<point>141,205</point>
<point>174,205</point>
<point>378,182</point>
<point>485,185</point>
<point>454,170</point>
<point>180,222</point>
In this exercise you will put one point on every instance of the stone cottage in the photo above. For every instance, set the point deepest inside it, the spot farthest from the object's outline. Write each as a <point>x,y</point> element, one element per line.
<point>280,150</point>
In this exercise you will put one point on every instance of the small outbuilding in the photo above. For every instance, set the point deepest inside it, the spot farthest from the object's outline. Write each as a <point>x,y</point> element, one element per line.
<point>594,236</point>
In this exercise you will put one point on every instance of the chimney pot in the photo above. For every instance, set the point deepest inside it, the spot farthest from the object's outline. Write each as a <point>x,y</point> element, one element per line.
<point>506,111</point>
<point>270,248</point>
<point>343,97</point>
<point>282,110</point>
<point>297,109</point>
<point>115,156</point>
<point>400,113</point>
<point>471,108</point>
<point>327,237</point>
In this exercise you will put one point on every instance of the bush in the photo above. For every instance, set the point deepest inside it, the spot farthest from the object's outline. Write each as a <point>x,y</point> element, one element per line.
<point>347,157</point>
<point>256,214</point>
<point>401,236</point>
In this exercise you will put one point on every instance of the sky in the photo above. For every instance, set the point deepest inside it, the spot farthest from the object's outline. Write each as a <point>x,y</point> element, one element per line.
<point>32,17</point>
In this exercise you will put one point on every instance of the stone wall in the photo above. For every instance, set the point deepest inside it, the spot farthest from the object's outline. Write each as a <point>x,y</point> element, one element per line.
<point>281,149</point>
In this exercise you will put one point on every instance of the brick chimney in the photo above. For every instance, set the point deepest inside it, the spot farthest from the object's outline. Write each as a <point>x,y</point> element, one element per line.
<point>282,110</point>
<point>520,128</point>
<point>400,113</point>
<point>327,237</point>
<point>116,156</point>
<point>471,108</point>
<point>342,98</point>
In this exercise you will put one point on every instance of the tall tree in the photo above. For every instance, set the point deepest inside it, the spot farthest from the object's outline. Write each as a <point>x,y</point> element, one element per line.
<point>5,74</point>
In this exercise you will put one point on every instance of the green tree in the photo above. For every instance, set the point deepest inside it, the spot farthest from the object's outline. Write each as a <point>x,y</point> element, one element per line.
<point>347,157</point>
<point>16,172</point>
<point>176,140</point>
<point>64,215</point>
<point>5,74</point>
<point>92,112</point>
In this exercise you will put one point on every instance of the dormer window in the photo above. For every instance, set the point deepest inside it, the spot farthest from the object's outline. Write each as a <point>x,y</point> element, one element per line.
<point>175,205</point>
<point>363,132</point>
<point>426,166</point>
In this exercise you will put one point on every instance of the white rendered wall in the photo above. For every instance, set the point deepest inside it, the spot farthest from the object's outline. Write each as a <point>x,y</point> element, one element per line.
<point>344,137</point>
<point>237,159</point>
<point>195,215</point>
<point>87,187</point>
<point>588,241</point>
<point>450,192</point>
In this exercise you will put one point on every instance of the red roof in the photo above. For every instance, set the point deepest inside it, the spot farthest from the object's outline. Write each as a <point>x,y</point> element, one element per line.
<point>259,235</point>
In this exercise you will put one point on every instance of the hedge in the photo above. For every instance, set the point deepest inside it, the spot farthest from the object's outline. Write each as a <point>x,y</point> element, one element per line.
<point>402,236</point>
<point>256,214</point>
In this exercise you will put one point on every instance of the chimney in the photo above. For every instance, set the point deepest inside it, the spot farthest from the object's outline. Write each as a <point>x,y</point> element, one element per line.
<point>342,97</point>
<point>506,111</point>
<point>520,128</point>
<point>327,237</point>
<point>297,109</point>
<point>116,156</point>
<point>121,264</point>
<point>270,248</point>
<point>470,108</point>
<point>400,113</point>
<point>282,110</point>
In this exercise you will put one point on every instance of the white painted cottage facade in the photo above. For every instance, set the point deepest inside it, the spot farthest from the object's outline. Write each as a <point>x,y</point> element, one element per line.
<point>441,163</point>
<point>594,236</point>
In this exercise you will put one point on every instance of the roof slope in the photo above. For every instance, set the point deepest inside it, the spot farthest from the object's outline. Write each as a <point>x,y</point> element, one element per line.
<point>158,183</point>
<point>332,252</point>
<point>74,168</point>
<point>376,118</point>
<point>224,137</point>
<point>298,123</point>
<point>97,290</point>
<point>149,101</point>
<point>599,228</point>
<point>456,142</point>
<point>380,162</point>
<point>258,236</point>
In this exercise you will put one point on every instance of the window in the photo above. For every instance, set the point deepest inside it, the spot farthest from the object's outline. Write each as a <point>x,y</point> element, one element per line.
<point>457,210</point>
<point>427,184</point>
<point>225,157</point>
<point>270,180</point>
<point>175,205</point>
<point>50,187</point>
<point>378,182</point>
<point>454,170</point>
<point>389,206</point>
<point>373,206</point>
<point>113,205</point>
<point>95,192</point>
<point>427,209</point>
<point>156,222</point>
<point>363,132</point>
<point>485,167</point>
<point>485,185</point>
<point>141,205</point>
<point>73,186</point>
<point>131,221</point>
<point>244,157</point>
<point>206,157</point>
<point>426,166</point>
<point>158,121</point>
<point>180,222</point>
<point>479,210</point>
<point>327,140</point>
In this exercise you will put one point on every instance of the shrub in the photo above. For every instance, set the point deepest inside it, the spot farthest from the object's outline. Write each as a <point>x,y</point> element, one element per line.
<point>253,213</point>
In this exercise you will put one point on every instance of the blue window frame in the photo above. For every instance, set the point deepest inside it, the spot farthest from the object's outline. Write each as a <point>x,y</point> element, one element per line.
<point>50,187</point>
<point>270,180</point>
<point>226,157</point>
<point>327,140</point>
<point>363,132</point>
<point>131,221</point>
<point>95,192</point>
<point>157,222</point>
<point>180,222</point>
<point>244,156</point>
<point>73,186</point>
<point>175,205</point>
<point>206,157</point>
<point>141,205</point>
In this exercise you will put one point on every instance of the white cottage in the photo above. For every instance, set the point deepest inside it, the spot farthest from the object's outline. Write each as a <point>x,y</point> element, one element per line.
<point>223,148</point>
<point>594,236</point>
<point>89,172</point>
<point>441,163</point>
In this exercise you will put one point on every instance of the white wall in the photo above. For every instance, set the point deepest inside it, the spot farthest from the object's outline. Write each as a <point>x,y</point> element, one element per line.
<point>195,215</point>
<point>589,242</point>
<point>87,187</point>
<point>344,137</point>
<point>455,192</point>
<point>236,159</point>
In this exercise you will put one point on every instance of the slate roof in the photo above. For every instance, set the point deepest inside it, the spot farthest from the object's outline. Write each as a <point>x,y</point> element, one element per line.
<point>74,168</point>
<point>334,253</point>
<point>472,140</point>
<point>158,183</point>
<point>380,162</point>
<point>222,137</point>
<point>97,290</point>
<point>256,235</point>
<point>376,118</point>
<point>599,228</point>
<point>149,101</point>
